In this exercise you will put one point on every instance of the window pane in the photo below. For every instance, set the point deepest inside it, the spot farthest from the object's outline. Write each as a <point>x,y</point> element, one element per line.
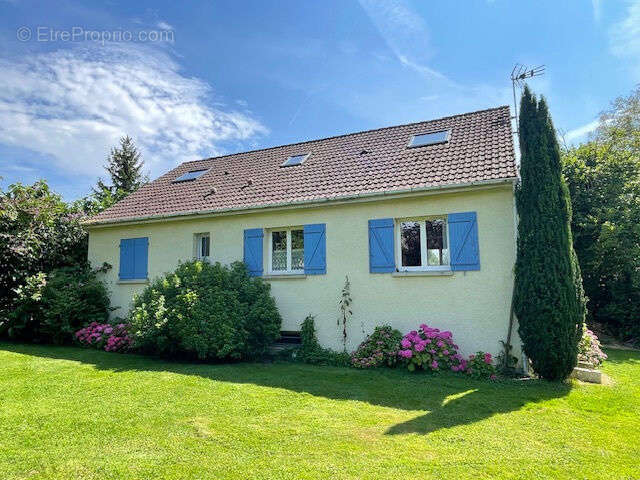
<point>297,250</point>
<point>410,242</point>
<point>279,250</point>
<point>190,176</point>
<point>437,248</point>
<point>295,160</point>
<point>429,138</point>
<point>204,246</point>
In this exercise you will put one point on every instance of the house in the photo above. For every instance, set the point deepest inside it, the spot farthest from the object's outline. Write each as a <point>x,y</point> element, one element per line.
<point>420,217</point>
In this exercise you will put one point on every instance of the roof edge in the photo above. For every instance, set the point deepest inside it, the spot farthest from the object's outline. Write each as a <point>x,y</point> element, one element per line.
<point>370,196</point>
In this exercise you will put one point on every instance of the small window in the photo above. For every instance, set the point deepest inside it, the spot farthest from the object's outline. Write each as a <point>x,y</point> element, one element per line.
<point>192,175</point>
<point>295,160</point>
<point>433,138</point>
<point>423,244</point>
<point>202,246</point>
<point>286,249</point>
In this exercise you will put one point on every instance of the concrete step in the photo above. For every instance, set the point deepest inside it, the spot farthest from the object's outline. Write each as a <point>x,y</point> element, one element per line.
<point>587,375</point>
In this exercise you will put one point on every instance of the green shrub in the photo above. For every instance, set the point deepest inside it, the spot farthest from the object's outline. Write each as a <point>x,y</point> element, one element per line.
<point>50,308</point>
<point>311,352</point>
<point>207,312</point>
<point>38,233</point>
<point>380,348</point>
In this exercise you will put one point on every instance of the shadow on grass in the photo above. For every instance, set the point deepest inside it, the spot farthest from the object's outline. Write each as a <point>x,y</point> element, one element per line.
<point>442,401</point>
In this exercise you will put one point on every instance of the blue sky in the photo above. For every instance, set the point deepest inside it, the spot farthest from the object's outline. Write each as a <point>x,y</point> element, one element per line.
<point>199,79</point>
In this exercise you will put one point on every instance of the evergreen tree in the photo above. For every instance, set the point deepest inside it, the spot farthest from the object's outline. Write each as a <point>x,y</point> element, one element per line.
<point>548,298</point>
<point>125,169</point>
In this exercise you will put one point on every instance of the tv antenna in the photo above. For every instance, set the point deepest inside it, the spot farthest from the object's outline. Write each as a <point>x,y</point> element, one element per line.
<point>518,76</point>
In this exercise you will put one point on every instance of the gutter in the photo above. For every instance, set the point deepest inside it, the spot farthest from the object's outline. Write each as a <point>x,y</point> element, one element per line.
<point>368,196</point>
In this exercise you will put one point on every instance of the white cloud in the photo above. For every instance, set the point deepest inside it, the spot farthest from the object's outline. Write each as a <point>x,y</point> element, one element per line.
<point>597,10</point>
<point>405,32</point>
<point>423,69</point>
<point>407,35</point>
<point>74,104</point>
<point>625,36</point>
<point>162,25</point>
<point>582,132</point>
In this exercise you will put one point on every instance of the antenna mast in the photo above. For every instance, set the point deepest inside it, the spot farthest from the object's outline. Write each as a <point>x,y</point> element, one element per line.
<point>518,76</point>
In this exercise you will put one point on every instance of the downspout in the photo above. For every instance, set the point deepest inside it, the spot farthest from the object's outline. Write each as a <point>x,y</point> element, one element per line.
<point>507,344</point>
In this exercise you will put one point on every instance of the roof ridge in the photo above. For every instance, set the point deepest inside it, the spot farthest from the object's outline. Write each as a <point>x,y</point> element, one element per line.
<point>346,134</point>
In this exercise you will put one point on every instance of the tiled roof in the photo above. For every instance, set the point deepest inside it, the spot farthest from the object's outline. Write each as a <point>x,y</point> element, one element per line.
<point>375,161</point>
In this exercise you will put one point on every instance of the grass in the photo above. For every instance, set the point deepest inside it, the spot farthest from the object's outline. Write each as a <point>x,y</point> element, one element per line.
<point>72,413</point>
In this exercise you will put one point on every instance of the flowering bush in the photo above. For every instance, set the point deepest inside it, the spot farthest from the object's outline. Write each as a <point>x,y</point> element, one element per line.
<point>111,338</point>
<point>430,349</point>
<point>589,350</point>
<point>379,348</point>
<point>480,365</point>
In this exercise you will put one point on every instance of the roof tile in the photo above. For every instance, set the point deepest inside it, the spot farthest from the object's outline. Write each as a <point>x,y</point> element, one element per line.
<point>480,148</point>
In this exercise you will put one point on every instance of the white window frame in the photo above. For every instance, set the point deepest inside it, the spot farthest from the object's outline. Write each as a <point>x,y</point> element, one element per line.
<point>423,244</point>
<point>197,250</point>
<point>288,271</point>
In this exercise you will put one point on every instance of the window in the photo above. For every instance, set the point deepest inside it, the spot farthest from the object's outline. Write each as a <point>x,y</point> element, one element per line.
<point>295,160</point>
<point>423,244</point>
<point>192,175</point>
<point>423,139</point>
<point>286,251</point>
<point>202,246</point>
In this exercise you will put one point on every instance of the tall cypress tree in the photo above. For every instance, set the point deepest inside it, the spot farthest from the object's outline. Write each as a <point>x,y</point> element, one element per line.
<point>548,298</point>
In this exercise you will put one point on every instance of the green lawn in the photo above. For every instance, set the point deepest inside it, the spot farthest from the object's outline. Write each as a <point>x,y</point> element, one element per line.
<point>72,413</point>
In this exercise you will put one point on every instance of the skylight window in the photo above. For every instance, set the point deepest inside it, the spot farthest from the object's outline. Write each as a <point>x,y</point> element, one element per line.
<point>295,160</point>
<point>423,139</point>
<point>192,175</point>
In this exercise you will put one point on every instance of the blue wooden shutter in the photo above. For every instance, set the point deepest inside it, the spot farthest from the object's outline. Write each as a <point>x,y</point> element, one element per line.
<point>126,258</point>
<point>315,249</point>
<point>253,251</point>
<point>381,252</point>
<point>140,257</point>
<point>463,236</point>
<point>134,254</point>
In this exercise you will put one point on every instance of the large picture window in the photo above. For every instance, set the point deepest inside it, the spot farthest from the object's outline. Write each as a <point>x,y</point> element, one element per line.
<point>423,244</point>
<point>286,250</point>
